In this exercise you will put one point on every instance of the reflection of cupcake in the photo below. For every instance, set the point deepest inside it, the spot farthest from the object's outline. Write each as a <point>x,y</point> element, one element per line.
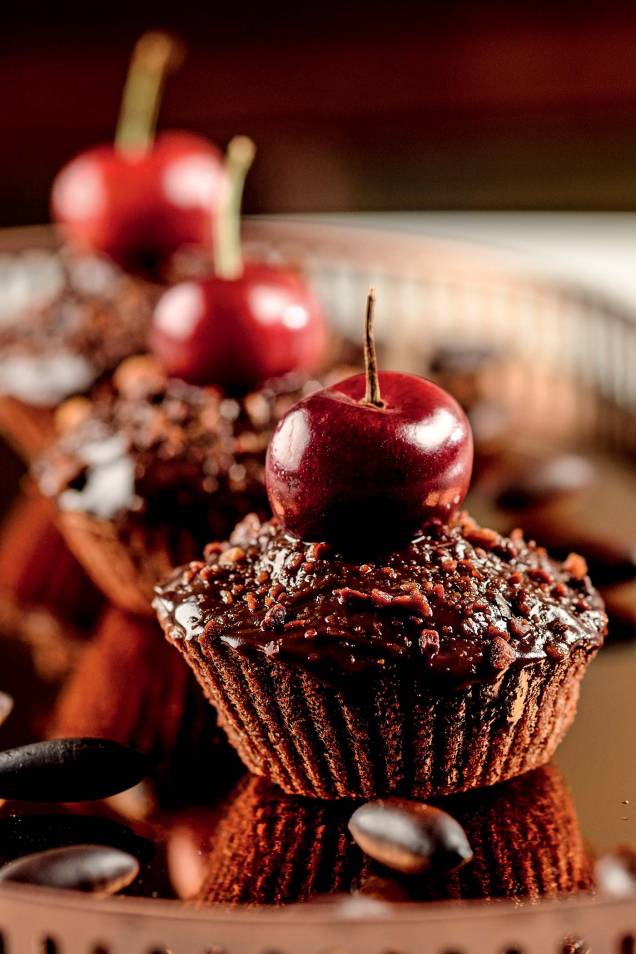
<point>71,321</point>
<point>150,472</point>
<point>165,716</point>
<point>452,663</point>
<point>274,849</point>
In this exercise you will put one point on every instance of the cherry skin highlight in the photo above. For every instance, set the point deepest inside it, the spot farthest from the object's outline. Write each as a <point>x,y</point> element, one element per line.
<point>343,470</point>
<point>139,206</point>
<point>238,332</point>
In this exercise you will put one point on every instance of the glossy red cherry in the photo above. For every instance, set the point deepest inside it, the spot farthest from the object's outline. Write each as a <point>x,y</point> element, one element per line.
<point>239,332</point>
<point>247,323</point>
<point>371,460</point>
<point>143,198</point>
<point>140,207</point>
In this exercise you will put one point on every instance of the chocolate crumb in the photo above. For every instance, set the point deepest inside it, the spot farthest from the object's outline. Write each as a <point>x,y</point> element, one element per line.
<point>502,655</point>
<point>575,565</point>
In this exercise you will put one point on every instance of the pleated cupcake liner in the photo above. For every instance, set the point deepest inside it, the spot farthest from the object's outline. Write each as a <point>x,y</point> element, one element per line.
<point>387,733</point>
<point>37,568</point>
<point>126,566</point>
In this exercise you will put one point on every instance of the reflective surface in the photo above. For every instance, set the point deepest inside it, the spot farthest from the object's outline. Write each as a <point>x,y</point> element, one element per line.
<point>39,649</point>
<point>205,832</point>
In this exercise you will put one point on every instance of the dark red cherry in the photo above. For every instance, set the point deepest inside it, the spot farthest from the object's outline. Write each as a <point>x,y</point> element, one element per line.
<point>372,459</point>
<point>139,208</point>
<point>141,199</point>
<point>246,323</point>
<point>239,332</point>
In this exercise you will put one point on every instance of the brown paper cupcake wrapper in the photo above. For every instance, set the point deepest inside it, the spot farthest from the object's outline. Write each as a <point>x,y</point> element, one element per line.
<point>271,848</point>
<point>37,569</point>
<point>28,428</point>
<point>126,569</point>
<point>386,733</point>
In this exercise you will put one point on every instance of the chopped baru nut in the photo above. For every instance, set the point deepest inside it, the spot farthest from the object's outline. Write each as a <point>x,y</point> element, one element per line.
<point>556,651</point>
<point>138,376</point>
<point>501,654</point>
<point>233,555</point>
<point>274,618</point>
<point>540,575</point>
<point>429,640</point>
<point>482,537</point>
<point>519,627</point>
<point>71,413</point>
<point>575,565</point>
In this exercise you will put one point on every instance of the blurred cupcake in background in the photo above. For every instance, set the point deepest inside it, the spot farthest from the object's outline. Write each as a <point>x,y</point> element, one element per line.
<point>165,717</point>
<point>66,323</point>
<point>48,605</point>
<point>146,475</point>
<point>173,454</point>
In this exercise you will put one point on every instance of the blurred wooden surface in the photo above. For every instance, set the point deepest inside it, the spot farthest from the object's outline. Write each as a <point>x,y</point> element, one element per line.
<point>376,106</point>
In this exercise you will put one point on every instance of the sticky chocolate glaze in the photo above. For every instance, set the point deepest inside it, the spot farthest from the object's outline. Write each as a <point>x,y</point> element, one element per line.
<point>154,449</point>
<point>461,603</point>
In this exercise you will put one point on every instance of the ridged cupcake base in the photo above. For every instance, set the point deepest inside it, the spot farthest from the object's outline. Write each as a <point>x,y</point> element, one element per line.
<point>386,733</point>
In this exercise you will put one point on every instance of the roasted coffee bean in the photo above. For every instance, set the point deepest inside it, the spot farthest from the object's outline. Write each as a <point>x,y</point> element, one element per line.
<point>90,868</point>
<point>69,770</point>
<point>27,834</point>
<point>410,837</point>
<point>6,705</point>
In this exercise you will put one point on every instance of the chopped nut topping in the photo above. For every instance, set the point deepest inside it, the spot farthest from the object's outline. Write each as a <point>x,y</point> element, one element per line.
<point>233,555</point>
<point>576,566</point>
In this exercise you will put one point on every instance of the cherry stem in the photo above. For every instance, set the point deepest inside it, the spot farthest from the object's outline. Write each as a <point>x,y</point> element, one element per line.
<point>154,56</point>
<point>228,258</point>
<point>372,395</point>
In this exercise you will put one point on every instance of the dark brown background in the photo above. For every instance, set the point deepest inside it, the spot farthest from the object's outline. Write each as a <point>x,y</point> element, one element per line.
<point>376,106</point>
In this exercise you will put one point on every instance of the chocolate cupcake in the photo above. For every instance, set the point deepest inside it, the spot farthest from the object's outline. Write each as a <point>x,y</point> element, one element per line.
<point>72,320</point>
<point>37,569</point>
<point>452,663</point>
<point>150,471</point>
<point>269,848</point>
<point>166,717</point>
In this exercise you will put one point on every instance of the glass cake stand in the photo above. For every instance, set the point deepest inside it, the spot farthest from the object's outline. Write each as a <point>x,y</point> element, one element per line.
<point>556,376</point>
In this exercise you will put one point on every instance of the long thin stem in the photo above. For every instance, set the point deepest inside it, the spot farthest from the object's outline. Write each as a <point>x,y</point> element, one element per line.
<point>154,56</point>
<point>228,258</point>
<point>372,395</point>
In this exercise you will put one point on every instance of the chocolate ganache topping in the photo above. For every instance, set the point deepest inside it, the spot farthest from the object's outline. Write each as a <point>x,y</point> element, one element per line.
<point>61,343</point>
<point>461,602</point>
<point>149,446</point>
